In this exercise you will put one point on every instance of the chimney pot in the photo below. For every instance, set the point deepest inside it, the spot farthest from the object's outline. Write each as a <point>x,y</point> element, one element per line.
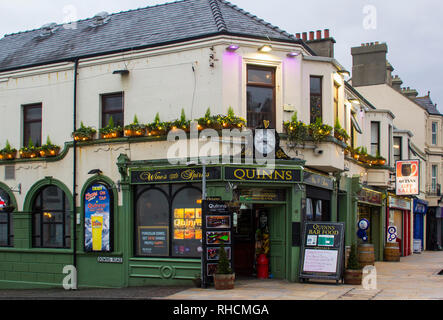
<point>297,35</point>
<point>318,34</point>
<point>326,33</point>
<point>311,35</point>
<point>305,36</point>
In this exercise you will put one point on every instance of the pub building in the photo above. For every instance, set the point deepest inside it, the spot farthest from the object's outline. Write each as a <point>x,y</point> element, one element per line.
<point>120,209</point>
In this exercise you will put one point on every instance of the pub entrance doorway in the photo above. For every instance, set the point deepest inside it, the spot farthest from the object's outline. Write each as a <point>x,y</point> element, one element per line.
<point>259,229</point>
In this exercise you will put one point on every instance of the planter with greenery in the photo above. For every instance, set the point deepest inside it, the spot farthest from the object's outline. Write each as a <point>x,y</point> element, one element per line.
<point>340,133</point>
<point>8,153</point>
<point>353,272</point>
<point>111,131</point>
<point>319,131</point>
<point>297,131</point>
<point>224,277</point>
<point>183,123</point>
<point>84,133</point>
<point>135,129</point>
<point>30,151</point>
<point>49,149</point>
<point>158,128</point>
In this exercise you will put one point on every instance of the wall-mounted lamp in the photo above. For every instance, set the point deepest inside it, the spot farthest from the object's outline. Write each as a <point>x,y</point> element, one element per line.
<point>265,48</point>
<point>95,171</point>
<point>232,48</point>
<point>121,72</point>
<point>293,54</point>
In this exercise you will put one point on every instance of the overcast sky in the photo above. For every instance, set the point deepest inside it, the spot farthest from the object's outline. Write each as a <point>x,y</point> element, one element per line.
<point>412,29</point>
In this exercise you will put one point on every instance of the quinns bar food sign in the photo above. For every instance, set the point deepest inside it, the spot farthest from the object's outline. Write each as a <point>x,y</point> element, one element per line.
<point>407,177</point>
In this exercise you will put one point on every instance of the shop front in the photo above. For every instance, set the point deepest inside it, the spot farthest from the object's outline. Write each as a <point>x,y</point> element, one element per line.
<point>399,216</point>
<point>370,207</point>
<point>420,209</point>
<point>268,209</point>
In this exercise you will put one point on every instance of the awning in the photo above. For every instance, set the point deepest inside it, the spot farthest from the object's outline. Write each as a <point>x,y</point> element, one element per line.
<point>355,124</point>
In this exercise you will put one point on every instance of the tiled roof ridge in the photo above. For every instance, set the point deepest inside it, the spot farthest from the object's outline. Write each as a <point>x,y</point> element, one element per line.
<point>90,18</point>
<point>263,22</point>
<point>218,16</point>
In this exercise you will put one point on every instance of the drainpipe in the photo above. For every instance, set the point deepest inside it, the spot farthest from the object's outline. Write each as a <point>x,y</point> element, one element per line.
<point>74,174</point>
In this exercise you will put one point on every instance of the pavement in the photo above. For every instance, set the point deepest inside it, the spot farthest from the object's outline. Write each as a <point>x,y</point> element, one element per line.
<point>413,278</point>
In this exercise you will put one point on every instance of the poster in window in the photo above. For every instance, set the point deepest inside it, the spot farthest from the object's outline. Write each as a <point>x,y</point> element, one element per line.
<point>187,233</point>
<point>213,253</point>
<point>97,203</point>
<point>153,241</point>
<point>218,222</point>
<point>4,201</point>
<point>218,237</point>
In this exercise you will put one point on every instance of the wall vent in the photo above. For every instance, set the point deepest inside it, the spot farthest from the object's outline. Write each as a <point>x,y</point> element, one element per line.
<point>9,172</point>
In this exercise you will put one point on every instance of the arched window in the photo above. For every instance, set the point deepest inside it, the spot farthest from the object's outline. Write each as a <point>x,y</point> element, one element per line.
<point>6,225</point>
<point>51,219</point>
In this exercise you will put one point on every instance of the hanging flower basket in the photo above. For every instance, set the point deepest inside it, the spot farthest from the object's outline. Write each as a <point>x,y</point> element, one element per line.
<point>8,153</point>
<point>49,151</point>
<point>135,129</point>
<point>84,133</point>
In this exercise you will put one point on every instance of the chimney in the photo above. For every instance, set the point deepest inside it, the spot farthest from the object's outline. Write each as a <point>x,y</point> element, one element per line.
<point>370,66</point>
<point>396,83</point>
<point>410,93</point>
<point>305,36</point>
<point>322,46</point>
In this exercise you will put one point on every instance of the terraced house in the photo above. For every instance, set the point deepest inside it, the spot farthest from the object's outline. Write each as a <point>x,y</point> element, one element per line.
<point>151,71</point>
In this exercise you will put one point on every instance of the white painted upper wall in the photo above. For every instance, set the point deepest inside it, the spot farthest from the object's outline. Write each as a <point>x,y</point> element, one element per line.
<point>408,115</point>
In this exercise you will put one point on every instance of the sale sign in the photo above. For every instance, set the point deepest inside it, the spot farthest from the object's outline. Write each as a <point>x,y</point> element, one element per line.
<point>407,177</point>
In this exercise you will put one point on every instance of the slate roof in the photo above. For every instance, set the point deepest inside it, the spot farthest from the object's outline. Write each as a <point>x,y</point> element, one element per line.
<point>135,29</point>
<point>427,103</point>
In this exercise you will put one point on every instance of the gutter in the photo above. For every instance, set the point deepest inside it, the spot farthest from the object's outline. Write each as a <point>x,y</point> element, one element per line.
<point>74,172</point>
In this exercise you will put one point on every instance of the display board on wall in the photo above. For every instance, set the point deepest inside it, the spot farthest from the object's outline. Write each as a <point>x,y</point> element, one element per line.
<point>217,231</point>
<point>98,218</point>
<point>154,241</point>
<point>322,251</point>
<point>407,177</point>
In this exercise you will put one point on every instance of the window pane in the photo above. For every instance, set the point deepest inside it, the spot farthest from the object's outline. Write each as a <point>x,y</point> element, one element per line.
<point>316,85</point>
<point>112,103</point>
<point>374,132</point>
<point>260,106</point>
<point>3,233</point>
<point>152,221</point>
<point>52,235</point>
<point>116,117</point>
<point>4,199</point>
<point>52,198</point>
<point>33,131</point>
<point>187,232</point>
<point>316,111</point>
<point>32,113</point>
<point>260,76</point>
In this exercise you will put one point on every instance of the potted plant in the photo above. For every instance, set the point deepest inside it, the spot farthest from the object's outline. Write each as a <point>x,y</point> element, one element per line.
<point>111,131</point>
<point>296,130</point>
<point>8,153</point>
<point>30,151</point>
<point>84,133</point>
<point>49,149</point>
<point>319,131</point>
<point>182,123</point>
<point>380,160</point>
<point>135,129</point>
<point>207,121</point>
<point>231,121</point>
<point>224,277</point>
<point>353,272</point>
<point>340,133</point>
<point>158,128</point>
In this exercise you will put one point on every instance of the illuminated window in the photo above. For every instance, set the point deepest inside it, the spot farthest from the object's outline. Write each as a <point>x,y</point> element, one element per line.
<point>51,219</point>
<point>260,96</point>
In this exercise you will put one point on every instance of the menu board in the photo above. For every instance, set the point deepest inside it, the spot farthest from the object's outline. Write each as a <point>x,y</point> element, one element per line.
<point>153,241</point>
<point>97,217</point>
<point>217,231</point>
<point>322,251</point>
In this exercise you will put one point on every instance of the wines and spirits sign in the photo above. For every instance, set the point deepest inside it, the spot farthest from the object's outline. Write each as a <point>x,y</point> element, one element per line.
<point>322,251</point>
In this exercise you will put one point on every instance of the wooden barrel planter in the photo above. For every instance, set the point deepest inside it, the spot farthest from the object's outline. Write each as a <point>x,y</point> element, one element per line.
<point>366,255</point>
<point>353,277</point>
<point>224,281</point>
<point>392,251</point>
